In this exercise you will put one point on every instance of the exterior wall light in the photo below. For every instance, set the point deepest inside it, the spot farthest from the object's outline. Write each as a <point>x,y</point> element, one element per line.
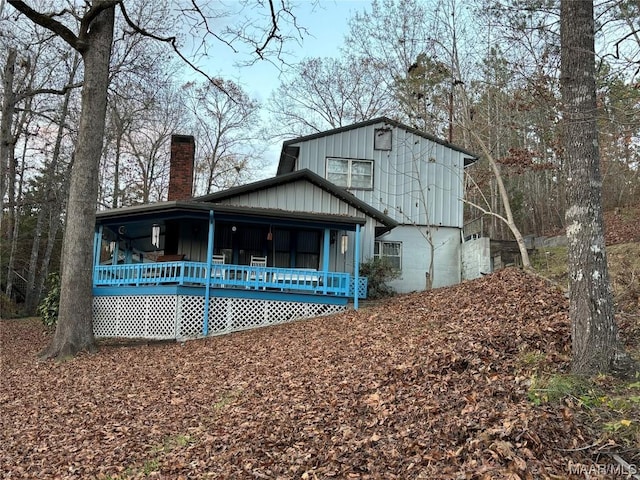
<point>344,244</point>
<point>155,235</point>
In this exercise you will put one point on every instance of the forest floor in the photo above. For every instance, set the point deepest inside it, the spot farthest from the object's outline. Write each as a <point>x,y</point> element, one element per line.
<point>464,382</point>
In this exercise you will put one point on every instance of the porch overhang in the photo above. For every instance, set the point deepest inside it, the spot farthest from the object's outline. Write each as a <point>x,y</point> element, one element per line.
<point>182,209</point>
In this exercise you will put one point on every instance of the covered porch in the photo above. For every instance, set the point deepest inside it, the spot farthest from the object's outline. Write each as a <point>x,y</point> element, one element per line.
<point>184,269</point>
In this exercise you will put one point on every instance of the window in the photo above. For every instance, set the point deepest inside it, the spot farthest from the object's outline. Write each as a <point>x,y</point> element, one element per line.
<point>307,249</point>
<point>390,251</point>
<point>382,139</point>
<point>338,171</point>
<point>349,173</point>
<point>282,248</point>
<point>299,249</point>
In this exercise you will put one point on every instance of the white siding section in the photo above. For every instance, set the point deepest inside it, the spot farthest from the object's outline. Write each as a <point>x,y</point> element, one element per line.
<point>416,255</point>
<point>418,182</point>
<point>476,258</point>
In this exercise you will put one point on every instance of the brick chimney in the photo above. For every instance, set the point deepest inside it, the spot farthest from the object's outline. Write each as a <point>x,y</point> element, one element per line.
<point>181,167</point>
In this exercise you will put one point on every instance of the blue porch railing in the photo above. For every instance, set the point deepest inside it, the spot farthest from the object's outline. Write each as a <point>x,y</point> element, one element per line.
<point>230,276</point>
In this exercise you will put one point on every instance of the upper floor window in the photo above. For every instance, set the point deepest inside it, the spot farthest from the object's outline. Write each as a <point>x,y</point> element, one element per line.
<point>382,139</point>
<point>350,173</point>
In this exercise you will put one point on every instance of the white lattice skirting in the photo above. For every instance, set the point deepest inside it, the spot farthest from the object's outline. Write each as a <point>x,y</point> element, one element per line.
<point>181,316</point>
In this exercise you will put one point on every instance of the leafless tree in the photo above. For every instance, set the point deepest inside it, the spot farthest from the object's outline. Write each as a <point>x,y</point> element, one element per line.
<point>323,93</point>
<point>29,122</point>
<point>90,31</point>
<point>227,125</point>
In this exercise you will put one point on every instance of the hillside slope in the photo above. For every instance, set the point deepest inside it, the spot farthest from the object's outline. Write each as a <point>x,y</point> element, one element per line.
<point>622,225</point>
<point>437,385</point>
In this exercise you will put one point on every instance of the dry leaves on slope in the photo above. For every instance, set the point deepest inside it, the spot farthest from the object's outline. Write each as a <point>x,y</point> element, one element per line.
<point>427,385</point>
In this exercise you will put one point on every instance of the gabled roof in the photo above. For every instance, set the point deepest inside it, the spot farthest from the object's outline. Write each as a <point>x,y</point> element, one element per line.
<point>199,207</point>
<point>298,175</point>
<point>290,152</point>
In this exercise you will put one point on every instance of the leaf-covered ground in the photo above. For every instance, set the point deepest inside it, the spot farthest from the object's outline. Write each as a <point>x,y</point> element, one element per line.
<point>433,385</point>
<point>621,225</point>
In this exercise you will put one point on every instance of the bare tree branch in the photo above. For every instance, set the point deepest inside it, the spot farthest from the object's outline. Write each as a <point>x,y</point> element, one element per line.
<point>173,41</point>
<point>485,211</point>
<point>51,91</point>
<point>198,10</point>
<point>272,33</point>
<point>46,21</point>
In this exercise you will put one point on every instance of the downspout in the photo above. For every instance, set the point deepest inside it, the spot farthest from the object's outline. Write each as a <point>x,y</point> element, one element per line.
<point>207,281</point>
<point>325,259</point>
<point>356,268</point>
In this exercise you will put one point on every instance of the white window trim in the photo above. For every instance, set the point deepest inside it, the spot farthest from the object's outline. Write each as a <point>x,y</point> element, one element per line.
<point>349,171</point>
<point>380,254</point>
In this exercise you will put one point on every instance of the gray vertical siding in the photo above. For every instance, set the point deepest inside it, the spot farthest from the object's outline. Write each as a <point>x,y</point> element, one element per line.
<point>414,161</point>
<point>193,240</point>
<point>303,196</point>
<point>300,196</point>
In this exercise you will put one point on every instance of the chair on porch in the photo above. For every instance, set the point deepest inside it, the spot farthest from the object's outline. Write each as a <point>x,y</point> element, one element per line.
<point>253,274</point>
<point>218,272</point>
<point>258,261</point>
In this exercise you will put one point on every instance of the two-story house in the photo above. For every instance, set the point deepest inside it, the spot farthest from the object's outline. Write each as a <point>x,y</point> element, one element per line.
<point>285,247</point>
<point>411,176</point>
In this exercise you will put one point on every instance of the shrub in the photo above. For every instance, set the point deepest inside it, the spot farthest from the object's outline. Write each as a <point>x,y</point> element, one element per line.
<point>378,271</point>
<point>48,308</point>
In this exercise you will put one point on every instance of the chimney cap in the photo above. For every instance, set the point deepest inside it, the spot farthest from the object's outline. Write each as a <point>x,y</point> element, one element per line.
<point>182,139</point>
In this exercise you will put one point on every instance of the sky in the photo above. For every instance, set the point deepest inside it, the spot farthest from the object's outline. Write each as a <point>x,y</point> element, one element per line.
<point>326,23</point>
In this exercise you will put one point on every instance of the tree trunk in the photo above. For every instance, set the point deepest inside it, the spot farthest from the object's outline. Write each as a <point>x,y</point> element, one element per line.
<point>13,217</point>
<point>30,300</point>
<point>595,344</point>
<point>74,331</point>
<point>52,232</point>
<point>6,140</point>
<point>16,224</point>
<point>116,170</point>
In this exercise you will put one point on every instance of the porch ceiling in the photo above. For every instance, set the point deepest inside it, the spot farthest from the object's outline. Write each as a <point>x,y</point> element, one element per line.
<point>145,215</point>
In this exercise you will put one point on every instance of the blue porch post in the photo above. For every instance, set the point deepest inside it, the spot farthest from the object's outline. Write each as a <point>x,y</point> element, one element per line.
<point>207,281</point>
<point>116,252</point>
<point>325,258</point>
<point>97,247</point>
<point>356,267</point>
